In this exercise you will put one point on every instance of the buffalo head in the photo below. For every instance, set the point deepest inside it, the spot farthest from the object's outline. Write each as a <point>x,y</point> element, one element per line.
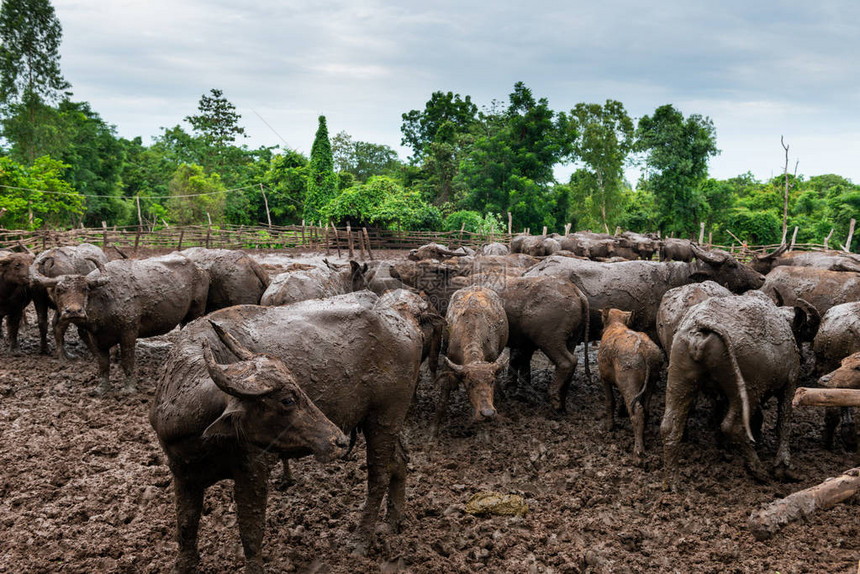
<point>479,378</point>
<point>266,406</point>
<point>720,267</point>
<point>70,293</point>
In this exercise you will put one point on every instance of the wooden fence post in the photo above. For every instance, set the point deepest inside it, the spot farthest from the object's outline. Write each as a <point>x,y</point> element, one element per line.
<point>181,235</point>
<point>266,202</point>
<point>327,246</point>
<point>336,240</point>
<point>510,224</point>
<point>462,228</point>
<point>208,230</point>
<point>303,232</point>
<point>847,246</point>
<point>361,245</point>
<point>349,240</point>
<point>544,230</point>
<point>367,242</point>
<point>827,239</point>
<point>793,237</point>
<point>701,232</point>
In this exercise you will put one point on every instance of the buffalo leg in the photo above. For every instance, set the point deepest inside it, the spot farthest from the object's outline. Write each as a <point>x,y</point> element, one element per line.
<point>103,357</point>
<point>189,506</point>
<point>286,480</point>
<point>397,485</point>
<point>732,427</point>
<point>446,382</point>
<point>782,465</point>
<point>13,323</point>
<point>126,347</point>
<point>630,384</point>
<point>59,328</point>
<point>42,319</point>
<point>250,492</point>
<point>680,394</point>
<point>381,445</point>
<point>608,403</point>
<point>565,365</point>
<point>521,364</point>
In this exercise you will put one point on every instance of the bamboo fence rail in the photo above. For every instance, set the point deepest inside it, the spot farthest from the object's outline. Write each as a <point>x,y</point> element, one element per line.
<point>274,237</point>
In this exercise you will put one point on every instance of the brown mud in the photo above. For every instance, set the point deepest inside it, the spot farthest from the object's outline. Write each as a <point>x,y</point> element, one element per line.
<point>84,488</point>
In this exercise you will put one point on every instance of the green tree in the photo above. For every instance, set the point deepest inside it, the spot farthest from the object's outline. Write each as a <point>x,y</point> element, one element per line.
<point>193,194</point>
<point>30,73</point>
<point>362,159</point>
<point>510,166</point>
<point>286,182</point>
<point>37,195</point>
<point>421,128</point>
<point>602,140</point>
<point>322,181</point>
<point>676,162</point>
<point>217,124</point>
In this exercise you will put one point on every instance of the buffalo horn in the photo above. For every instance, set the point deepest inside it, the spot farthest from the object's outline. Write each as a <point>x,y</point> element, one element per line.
<point>236,386</point>
<point>708,256</point>
<point>241,352</point>
<point>453,366</point>
<point>37,278</point>
<point>102,278</point>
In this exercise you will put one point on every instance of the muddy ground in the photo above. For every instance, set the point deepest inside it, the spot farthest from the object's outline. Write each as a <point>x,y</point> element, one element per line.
<point>84,488</point>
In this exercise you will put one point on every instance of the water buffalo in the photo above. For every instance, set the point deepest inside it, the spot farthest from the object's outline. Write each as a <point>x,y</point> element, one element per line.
<point>128,299</point>
<point>638,286</point>
<point>643,245</point>
<point>820,287</point>
<point>477,335</point>
<point>846,376</point>
<point>359,362</point>
<point>544,313</point>
<point>431,277</point>
<point>673,249</point>
<point>590,245</point>
<point>234,277</point>
<point>745,348</point>
<point>217,421</point>
<point>433,251</point>
<point>630,361</point>
<point>14,291</point>
<point>315,283</point>
<point>828,260</point>
<point>494,249</point>
<point>535,245</point>
<point>677,301</point>
<point>69,260</point>
<point>427,320</point>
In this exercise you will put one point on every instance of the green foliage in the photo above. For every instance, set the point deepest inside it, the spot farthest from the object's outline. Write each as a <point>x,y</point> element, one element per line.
<point>602,140</point>
<point>381,201</point>
<point>193,194</point>
<point>361,159</point>
<point>218,126</point>
<point>677,152</point>
<point>30,76</point>
<point>37,196</point>
<point>422,128</point>
<point>322,181</point>
<point>286,181</point>
<point>474,222</point>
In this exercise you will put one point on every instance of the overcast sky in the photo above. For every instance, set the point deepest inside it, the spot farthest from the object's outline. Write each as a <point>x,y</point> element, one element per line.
<point>758,69</point>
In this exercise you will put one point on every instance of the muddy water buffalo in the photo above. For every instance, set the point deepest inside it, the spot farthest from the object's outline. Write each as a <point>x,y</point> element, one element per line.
<point>125,300</point>
<point>642,245</point>
<point>535,245</point>
<point>69,260</point>
<point>14,291</point>
<point>638,286</point>
<point>822,288</point>
<point>838,336</point>
<point>426,318</point>
<point>315,283</point>
<point>828,260</point>
<point>630,361</point>
<point>234,277</point>
<point>357,360</point>
<point>433,251</point>
<point>477,335</point>
<point>494,249</point>
<point>431,277</point>
<point>676,302</point>
<point>218,421</point>
<point>847,376</point>
<point>590,245</point>
<point>744,347</point>
<point>544,313</point>
<point>673,249</point>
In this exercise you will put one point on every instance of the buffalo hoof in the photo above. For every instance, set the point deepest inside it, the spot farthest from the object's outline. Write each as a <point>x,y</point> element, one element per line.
<point>359,546</point>
<point>783,473</point>
<point>186,565</point>
<point>101,390</point>
<point>69,355</point>
<point>759,475</point>
<point>129,388</point>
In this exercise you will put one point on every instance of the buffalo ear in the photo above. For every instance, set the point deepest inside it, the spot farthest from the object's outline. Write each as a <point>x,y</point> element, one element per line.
<point>806,320</point>
<point>604,315</point>
<point>225,426</point>
<point>503,359</point>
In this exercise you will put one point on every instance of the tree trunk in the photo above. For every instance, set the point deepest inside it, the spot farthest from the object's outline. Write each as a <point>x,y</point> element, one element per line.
<point>766,521</point>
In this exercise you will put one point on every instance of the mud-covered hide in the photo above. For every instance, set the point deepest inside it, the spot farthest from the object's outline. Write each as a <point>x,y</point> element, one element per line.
<point>277,263</point>
<point>639,286</point>
<point>828,260</point>
<point>434,251</point>
<point>418,309</point>
<point>744,348</point>
<point>643,245</point>
<point>631,362</point>
<point>129,299</point>
<point>545,313</point>
<point>838,336</point>
<point>676,302</point>
<point>235,278</point>
<point>590,245</point>
<point>535,245</point>
<point>431,277</point>
<point>674,249</point>
<point>315,283</point>
<point>820,287</point>
<point>512,265</point>
<point>494,249</point>
<point>14,291</point>
<point>846,376</point>
<point>379,278</point>
<point>69,260</point>
<point>357,360</point>
<point>477,333</point>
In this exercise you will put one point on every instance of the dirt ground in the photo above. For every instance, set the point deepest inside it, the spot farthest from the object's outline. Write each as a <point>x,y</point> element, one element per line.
<point>84,488</point>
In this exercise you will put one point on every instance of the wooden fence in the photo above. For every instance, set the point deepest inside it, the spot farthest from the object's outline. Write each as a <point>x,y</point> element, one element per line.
<point>350,241</point>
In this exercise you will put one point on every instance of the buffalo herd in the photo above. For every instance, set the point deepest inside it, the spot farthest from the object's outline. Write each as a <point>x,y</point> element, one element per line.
<point>280,357</point>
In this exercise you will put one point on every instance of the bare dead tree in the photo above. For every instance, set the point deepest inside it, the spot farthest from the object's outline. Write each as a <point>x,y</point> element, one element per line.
<point>787,188</point>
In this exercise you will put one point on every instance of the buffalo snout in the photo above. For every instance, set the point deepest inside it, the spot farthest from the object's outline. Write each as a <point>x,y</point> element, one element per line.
<point>486,413</point>
<point>337,446</point>
<point>73,312</point>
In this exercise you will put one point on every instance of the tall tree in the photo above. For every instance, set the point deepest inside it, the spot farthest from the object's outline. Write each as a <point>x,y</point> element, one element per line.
<point>603,139</point>
<point>677,151</point>
<point>420,128</point>
<point>322,181</point>
<point>30,73</point>
<point>218,125</point>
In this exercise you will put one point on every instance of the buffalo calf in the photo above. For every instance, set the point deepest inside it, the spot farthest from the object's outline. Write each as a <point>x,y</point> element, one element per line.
<point>631,361</point>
